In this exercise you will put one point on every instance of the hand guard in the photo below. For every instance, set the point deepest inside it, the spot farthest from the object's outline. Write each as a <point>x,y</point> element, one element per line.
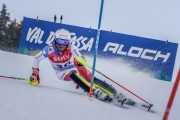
<point>77,63</point>
<point>83,61</point>
<point>34,79</point>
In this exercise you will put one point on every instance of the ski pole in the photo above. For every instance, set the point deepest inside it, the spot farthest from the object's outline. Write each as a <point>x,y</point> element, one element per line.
<point>123,87</point>
<point>26,79</point>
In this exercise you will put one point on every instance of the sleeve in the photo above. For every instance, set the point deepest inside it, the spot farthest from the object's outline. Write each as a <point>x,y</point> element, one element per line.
<point>75,51</point>
<point>40,56</point>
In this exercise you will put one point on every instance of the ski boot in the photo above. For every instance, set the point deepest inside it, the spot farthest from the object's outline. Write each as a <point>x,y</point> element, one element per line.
<point>99,94</point>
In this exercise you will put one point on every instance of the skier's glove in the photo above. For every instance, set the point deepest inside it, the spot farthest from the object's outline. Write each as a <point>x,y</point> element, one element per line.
<point>34,79</point>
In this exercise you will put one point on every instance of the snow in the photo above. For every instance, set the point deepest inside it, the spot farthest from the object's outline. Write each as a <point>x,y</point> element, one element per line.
<point>51,99</point>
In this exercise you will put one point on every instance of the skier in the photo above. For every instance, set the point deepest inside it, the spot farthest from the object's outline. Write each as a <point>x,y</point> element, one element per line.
<point>62,55</point>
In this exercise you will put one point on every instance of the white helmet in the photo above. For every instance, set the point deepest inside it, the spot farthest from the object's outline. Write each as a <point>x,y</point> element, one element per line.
<point>63,34</point>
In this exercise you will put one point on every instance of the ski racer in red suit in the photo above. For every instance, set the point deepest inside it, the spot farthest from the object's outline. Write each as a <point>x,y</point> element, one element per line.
<point>62,55</point>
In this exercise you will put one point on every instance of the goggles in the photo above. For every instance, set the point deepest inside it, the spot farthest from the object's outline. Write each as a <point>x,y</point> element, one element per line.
<point>62,42</point>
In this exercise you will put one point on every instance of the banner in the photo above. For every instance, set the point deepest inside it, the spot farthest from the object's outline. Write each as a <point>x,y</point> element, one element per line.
<point>37,33</point>
<point>145,54</point>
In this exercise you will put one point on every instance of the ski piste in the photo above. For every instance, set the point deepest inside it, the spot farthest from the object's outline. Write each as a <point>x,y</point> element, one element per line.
<point>126,104</point>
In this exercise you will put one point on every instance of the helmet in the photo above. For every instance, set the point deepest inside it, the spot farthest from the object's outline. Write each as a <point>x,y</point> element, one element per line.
<point>62,37</point>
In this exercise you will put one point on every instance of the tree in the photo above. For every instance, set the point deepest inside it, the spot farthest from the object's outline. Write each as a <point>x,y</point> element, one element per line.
<point>10,31</point>
<point>14,33</point>
<point>4,20</point>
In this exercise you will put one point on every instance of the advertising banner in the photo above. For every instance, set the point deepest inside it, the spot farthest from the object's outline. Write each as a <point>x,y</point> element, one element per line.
<point>145,54</point>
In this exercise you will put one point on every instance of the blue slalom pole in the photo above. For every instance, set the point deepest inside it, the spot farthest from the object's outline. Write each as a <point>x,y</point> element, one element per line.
<point>96,48</point>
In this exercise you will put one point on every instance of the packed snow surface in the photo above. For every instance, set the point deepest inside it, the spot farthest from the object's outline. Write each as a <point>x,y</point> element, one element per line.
<point>55,99</point>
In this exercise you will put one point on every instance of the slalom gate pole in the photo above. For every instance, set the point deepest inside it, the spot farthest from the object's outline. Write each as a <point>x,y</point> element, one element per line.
<point>123,87</point>
<point>171,98</point>
<point>96,49</point>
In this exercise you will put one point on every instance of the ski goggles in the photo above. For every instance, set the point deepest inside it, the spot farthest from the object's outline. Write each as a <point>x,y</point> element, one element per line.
<point>62,42</point>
